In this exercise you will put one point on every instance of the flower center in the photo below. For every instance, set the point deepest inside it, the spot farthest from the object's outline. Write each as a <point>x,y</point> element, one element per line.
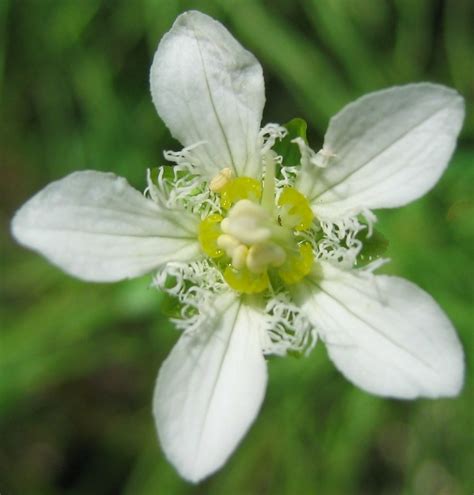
<point>257,242</point>
<point>247,238</point>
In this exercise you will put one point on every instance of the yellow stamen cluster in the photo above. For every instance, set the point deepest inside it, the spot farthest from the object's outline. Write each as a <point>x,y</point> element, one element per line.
<point>255,241</point>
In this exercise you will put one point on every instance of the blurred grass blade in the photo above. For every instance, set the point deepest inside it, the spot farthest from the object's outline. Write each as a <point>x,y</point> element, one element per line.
<point>306,70</point>
<point>333,24</point>
<point>459,42</point>
<point>413,39</point>
<point>4,5</point>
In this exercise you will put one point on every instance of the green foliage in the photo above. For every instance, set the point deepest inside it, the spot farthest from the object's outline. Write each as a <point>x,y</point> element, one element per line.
<point>374,246</point>
<point>78,361</point>
<point>285,148</point>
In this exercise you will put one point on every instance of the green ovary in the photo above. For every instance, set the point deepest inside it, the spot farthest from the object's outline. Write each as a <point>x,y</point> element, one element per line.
<point>253,244</point>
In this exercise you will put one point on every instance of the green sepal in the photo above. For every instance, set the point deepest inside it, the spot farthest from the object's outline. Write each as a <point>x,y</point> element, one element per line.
<point>285,148</point>
<point>373,247</point>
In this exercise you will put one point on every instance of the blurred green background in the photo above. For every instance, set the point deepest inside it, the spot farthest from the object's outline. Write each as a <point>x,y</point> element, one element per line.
<point>78,361</point>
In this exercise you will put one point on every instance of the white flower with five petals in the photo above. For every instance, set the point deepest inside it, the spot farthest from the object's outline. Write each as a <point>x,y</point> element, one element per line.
<point>260,255</point>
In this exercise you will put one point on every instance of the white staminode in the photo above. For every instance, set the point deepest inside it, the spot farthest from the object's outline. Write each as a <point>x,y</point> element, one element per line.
<point>384,150</point>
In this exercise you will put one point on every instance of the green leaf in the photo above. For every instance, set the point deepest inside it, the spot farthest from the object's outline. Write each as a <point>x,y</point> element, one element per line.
<point>373,247</point>
<point>289,151</point>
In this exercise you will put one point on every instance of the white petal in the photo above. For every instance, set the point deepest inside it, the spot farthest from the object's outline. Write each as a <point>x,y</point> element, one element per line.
<point>210,389</point>
<point>384,334</point>
<point>207,87</point>
<point>385,149</point>
<point>96,227</point>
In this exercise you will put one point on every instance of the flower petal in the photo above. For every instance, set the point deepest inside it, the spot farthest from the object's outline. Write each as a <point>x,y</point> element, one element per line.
<point>208,88</point>
<point>210,389</point>
<point>96,227</point>
<point>384,333</point>
<point>385,149</point>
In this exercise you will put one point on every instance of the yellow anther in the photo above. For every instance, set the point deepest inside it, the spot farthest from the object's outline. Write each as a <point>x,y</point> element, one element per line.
<point>245,281</point>
<point>262,256</point>
<point>248,222</point>
<point>218,183</point>
<point>208,234</point>
<point>297,265</point>
<point>234,249</point>
<point>228,243</point>
<point>240,188</point>
<point>295,211</point>
<point>239,256</point>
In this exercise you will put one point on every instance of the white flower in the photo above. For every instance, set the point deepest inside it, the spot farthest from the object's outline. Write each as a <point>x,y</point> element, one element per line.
<point>260,255</point>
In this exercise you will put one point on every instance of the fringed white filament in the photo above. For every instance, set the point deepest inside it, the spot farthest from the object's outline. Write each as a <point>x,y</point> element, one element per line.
<point>195,286</point>
<point>268,136</point>
<point>288,329</point>
<point>184,189</point>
